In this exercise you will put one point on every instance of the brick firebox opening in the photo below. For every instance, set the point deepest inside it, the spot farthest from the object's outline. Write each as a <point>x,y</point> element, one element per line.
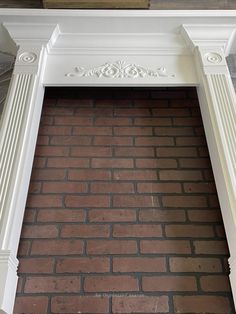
<point>122,213</point>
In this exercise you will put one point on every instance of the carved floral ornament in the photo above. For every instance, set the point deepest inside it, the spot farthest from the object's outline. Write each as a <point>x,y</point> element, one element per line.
<point>119,69</point>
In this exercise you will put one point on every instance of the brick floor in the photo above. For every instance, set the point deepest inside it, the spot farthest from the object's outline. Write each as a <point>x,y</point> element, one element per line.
<point>122,214</point>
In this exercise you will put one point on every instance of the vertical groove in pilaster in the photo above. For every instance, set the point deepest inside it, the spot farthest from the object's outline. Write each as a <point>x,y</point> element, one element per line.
<point>227,111</point>
<point>12,135</point>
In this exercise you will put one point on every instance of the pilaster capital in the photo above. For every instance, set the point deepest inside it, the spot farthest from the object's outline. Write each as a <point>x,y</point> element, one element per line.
<point>33,41</point>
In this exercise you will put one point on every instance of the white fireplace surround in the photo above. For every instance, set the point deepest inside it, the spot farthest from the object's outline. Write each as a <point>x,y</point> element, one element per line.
<point>111,48</point>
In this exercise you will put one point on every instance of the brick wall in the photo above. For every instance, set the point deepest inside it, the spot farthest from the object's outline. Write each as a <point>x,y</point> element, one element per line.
<point>122,214</point>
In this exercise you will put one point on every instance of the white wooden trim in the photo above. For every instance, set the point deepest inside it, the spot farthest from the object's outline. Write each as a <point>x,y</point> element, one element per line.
<point>112,48</point>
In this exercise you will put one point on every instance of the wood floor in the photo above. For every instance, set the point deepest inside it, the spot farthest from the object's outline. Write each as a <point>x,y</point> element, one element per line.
<point>154,4</point>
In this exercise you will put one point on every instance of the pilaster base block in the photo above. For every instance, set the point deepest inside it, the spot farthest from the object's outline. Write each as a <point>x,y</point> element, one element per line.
<point>8,281</point>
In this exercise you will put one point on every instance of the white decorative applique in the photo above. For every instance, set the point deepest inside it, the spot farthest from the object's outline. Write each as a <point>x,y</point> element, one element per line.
<point>119,69</point>
<point>27,57</point>
<point>213,57</point>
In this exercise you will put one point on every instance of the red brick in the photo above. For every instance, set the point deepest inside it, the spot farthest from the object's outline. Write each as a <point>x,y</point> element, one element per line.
<point>190,141</point>
<point>112,187</point>
<point>214,201</point>
<point>29,216</point>
<point>55,130</point>
<point>42,140</point>
<point>220,231</point>
<point>176,152</point>
<point>135,201</point>
<point>89,174</point>
<point>165,247</point>
<point>35,187</point>
<point>169,94</point>
<point>54,284</point>
<point>133,112</point>
<point>192,121</point>
<point>203,152</point>
<point>110,283</point>
<point>39,231</point>
<point>194,231</point>
<point>159,187</point>
<point>90,112</point>
<point>139,264</point>
<point>184,201</point>
<point>70,140</point>
<point>211,247</point>
<point>47,151</point>
<point>80,304</point>
<point>160,215</point>
<point>58,111</point>
<point>134,151</point>
<point>83,265</point>
<point>68,162</point>
<point>153,121</point>
<point>64,187</point>
<point>202,304</point>
<point>195,264</point>
<point>202,187</point>
<point>85,231</point>
<point>92,130</point>
<point>111,247</point>
<point>180,175</point>
<point>44,201</point>
<point>56,247</point>
<point>137,231</point>
<point>171,112</point>
<point>112,163</point>
<point>61,215</point>
<point>133,131</point>
<point>46,120</point>
<point>205,215</point>
<point>29,304</point>
<point>135,175</point>
<point>91,151</point>
<point>151,103</point>
<point>113,141</point>
<point>20,284</point>
<point>194,163</point>
<point>169,283</point>
<point>214,283</point>
<point>112,215</point>
<point>113,121</point>
<point>48,174</point>
<point>156,163</point>
<point>39,162</point>
<point>36,265</point>
<point>154,141</point>
<point>140,304</point>
<point>87,201</point>
<point>73,121</point>
<point>174,131</point>
<point>75,102</point>
<point>24,247</point>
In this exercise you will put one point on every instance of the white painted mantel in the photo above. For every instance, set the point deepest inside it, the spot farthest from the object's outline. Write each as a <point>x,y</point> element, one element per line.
<point>111,48</point>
